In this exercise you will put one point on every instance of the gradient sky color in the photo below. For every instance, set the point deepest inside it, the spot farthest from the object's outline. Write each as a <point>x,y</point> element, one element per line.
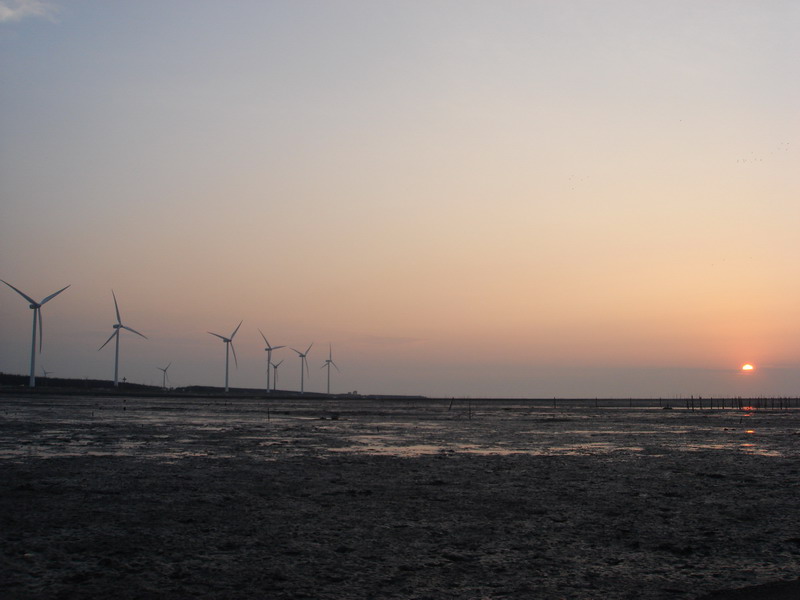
<point>504,199</point>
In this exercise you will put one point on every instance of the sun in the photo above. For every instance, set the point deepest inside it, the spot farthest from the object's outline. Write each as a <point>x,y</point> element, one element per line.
<point>747,367</point>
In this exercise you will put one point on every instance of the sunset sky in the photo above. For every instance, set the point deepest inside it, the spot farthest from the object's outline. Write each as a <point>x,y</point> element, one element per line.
<point>503,199</point>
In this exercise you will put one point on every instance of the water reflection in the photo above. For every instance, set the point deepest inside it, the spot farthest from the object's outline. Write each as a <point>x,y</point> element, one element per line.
<point>173,429</point>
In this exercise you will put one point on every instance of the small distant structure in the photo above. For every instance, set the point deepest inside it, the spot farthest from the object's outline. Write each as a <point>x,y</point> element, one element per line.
<point>117,326</point>
<point>228,348</point>
<point>303,363</point>
<point>165,376</point>
<point>269,350</point>
<point>329,363</point>
<point>275,373</point>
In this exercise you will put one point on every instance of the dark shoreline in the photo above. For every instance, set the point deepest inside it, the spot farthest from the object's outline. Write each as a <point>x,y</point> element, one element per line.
<point>16,385</point>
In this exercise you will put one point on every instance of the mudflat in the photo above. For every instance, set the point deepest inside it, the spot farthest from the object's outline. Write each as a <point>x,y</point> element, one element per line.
<point>412,499</point>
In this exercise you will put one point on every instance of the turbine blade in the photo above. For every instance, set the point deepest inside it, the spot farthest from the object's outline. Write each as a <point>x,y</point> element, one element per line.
<point>305,362</point>
<point>236,362</point>
<point>218,335</point>
<point>276,347</point>
<point>116,332</point>
<point>265,337</point>
<point>51,296</point>
<point>41,327</point>
<point>335,367</point>
<point>133,330</point>
<point>23,294</point>
<point>298,352</point>
<point>237,328</point>
<point>309,348</point>
<point>279,364</point>
<point>116,307</point>
<point>168,366</point>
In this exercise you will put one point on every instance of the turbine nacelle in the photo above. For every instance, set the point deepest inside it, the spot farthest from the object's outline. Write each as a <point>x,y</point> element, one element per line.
<point>304,354</point>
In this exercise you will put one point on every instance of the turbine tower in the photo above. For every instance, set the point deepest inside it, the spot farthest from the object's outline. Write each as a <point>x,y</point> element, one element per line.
<point>37,314</point>
<point>117,326</point>
<point>275,379</point>
<point>303,363</point>
<point>328,364</point>
<point>165,377</point>
<point>269,350</point>
<point>228,347</point>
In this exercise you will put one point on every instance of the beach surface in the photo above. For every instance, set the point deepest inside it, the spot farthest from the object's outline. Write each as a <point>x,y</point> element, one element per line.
<point>407,499</point>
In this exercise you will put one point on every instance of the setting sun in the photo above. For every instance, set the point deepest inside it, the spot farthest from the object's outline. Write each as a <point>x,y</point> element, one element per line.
<point>747,367</point>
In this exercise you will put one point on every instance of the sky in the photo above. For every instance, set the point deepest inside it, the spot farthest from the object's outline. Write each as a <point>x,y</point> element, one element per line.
<point>476,199</point>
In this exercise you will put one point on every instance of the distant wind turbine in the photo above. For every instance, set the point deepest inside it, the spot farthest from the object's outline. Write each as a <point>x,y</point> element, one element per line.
<point>275,379</point>
<point>328,363</point>
<point>165,377</point>
<point>268,350</point>
<point>117,326</point>
<point>46,372</point>
<point>37,314</point>
<point>303,363</point>
<point>228,348</point>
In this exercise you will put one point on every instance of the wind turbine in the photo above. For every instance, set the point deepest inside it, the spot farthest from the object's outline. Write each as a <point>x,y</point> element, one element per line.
<point>275,380</point>
<point>117,326</point>
<point>303,363</point>
<point>228,346</point>
<point>164,379</point>
<point>37,314</point>
<point>269,350</point>
<point>46,372</point>
<point>328,364</point>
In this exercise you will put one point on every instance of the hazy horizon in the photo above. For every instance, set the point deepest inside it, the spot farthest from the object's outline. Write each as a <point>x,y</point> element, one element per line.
<point>496,199</point>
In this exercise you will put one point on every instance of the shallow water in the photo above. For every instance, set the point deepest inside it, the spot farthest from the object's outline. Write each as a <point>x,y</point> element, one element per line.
<point>172,428</point>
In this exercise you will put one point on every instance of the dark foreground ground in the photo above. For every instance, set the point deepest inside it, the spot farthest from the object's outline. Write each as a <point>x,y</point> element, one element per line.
<point>394,500</point>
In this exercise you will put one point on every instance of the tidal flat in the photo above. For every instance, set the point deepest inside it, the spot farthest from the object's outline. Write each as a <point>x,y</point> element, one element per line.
<point>407,499</point>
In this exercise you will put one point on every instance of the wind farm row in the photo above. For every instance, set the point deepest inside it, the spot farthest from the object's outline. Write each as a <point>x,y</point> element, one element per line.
<point>119,326</point>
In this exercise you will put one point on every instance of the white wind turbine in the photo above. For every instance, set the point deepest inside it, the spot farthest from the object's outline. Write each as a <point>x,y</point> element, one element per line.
<point>37,314</point>
<point>303,363</point>
<point>269,350</point>
<point>117,326</point>
<point>275,379</point>
<point>46,372</point>
<point>328,364</point>
<point>165,377</point>
<point>228,347</point>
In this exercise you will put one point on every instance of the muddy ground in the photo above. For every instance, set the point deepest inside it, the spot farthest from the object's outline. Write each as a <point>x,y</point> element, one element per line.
<point>178,498</point>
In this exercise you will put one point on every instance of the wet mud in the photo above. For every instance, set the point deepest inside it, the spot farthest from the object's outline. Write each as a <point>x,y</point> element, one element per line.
<point>165,498</point>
